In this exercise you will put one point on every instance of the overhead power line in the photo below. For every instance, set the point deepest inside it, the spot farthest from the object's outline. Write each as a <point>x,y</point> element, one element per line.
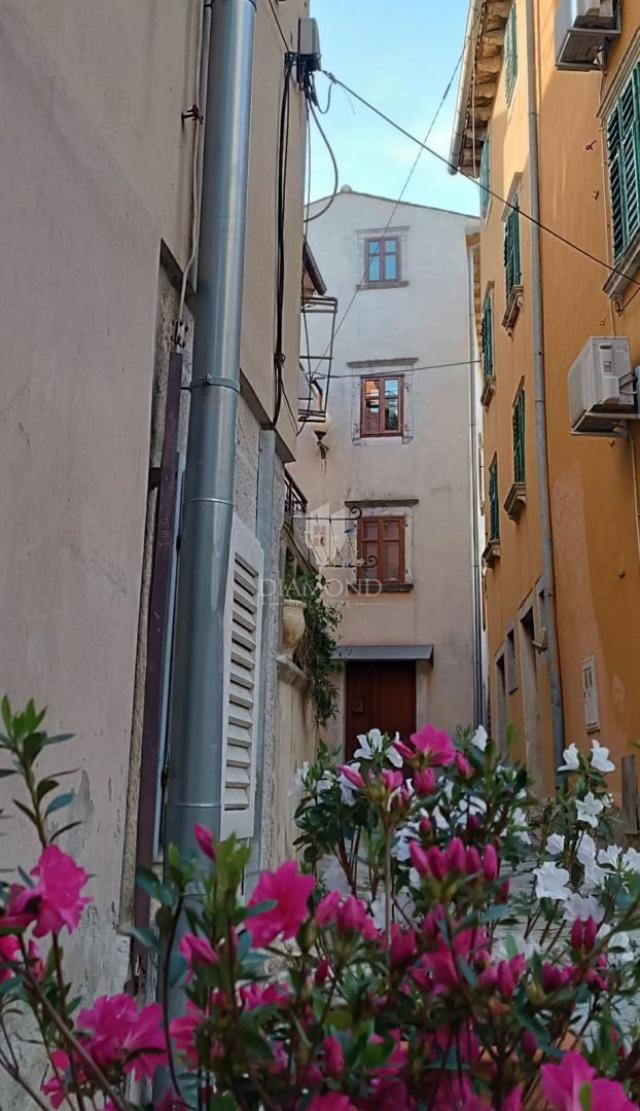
<point>374,371</point>
<point>485,188</point>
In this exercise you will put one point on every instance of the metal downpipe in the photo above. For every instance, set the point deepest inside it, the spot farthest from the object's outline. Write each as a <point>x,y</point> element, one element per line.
<point>557,713</point>
<point>196,725</point>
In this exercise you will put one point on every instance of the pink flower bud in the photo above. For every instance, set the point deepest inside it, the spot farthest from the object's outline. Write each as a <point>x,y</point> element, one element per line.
<point>491,864</point>
<point>392,780</point>
<point>327,908</point>
<point>334,1057</point>
<point>322,972</point>
<point>552,978</point>
<point>474,823</point>
<point>455,856</point>
<point>403,946</point>
<point>353,776</point>
<point>504,891</point>
<point>419,859</point>
<point>425,827</point>
<point>488,979</point>
<point>506,980</point>
<point>463,767</point>
<point>204,838</point>
<point>529,1044</point>
<point>473,863</point>
<point>425,781</point>
<point>576,934</point>
<point>404,750</point>
<point>589,933</point>
<point>436,863</point>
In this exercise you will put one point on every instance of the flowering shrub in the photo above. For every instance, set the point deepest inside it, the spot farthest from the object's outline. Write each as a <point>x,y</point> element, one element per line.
<point>472,953</point>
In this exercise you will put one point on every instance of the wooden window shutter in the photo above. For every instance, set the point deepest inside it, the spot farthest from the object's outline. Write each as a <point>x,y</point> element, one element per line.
<point>242,624</point>
<point>513,275</point>
<point>485,196</point>
<point>487,337</point>
<point>494,508</point>
<point>518,438</point>
<point>623,144</point>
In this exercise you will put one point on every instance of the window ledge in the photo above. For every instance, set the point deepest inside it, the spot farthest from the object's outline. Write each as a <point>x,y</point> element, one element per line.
<point>617,284</point>
<point>512,311</point>
<point>374,587</point>
<point>516,500</point>
<point>491,554</point>
<point>488,390</point>
<point>381,285</point>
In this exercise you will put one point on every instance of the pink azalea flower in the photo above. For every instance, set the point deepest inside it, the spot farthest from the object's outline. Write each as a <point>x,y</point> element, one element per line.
<point>290,890</point>
<point>333,1056</point>
<point>392,780</point>
<point>513,1102</point>
<point>332,1101</point>
<point>56,1087</point>
<point>183,1034</point>
<point>403,946</point>
<point>418,859</point>
<point>352,776</point>
<point>436,746</point>
<point>9,951</point>
<point>327,908</point>
<point>455,855</point>
<point>424,781</point>
<point>353,917</point>
<point>204,838</point>
<point>55,901</point>
<point>473,861</point>
<point>120,1033</point>
<point>263,995</point>
<point>564,1086</point>
<point>197,950</point>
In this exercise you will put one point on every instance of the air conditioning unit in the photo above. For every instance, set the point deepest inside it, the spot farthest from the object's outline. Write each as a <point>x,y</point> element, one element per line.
<point>582,27</point>
<point>602,388</point>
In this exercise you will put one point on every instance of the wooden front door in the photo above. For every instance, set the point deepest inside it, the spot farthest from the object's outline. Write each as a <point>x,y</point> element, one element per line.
<point>380,695</point>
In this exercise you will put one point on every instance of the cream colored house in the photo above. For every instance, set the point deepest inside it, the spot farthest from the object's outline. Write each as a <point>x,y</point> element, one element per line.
<point>389,486</point>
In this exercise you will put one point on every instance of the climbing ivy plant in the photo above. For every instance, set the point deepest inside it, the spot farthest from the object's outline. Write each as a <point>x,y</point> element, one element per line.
<point>315,655</point>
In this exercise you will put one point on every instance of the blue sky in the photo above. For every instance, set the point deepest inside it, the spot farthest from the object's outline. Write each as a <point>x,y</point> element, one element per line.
<point>399,55</point>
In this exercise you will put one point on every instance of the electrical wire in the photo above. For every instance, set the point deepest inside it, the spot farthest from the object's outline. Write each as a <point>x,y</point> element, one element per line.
<point>317,215</point>
<point>485,188</point>
<point>407,369</point>
<point>405,186</point>
<point>179,330</point>
<point>283,158</point>
<point>278,25</point>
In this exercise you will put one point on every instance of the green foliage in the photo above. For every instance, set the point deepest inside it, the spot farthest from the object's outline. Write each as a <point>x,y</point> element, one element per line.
<point>316,652</point>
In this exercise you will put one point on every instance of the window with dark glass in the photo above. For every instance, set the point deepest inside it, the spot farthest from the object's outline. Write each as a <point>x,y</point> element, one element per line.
<point>381,550</point>
<point>518,438</point>
<point>382,261</point>
<point>494,506</point>
<point>381,405</point>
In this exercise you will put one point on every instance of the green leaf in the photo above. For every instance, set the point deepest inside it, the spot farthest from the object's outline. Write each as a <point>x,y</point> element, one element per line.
<point>58,739</point>
<point>149,882</point>
<point>6,772</point>
<point>7,716</point>
<point>65,829</point>
<point>45,786</point>
<point>585,1097</point>
<point>25,810</point>
<point>260,908</point>
<point>223,1103</point>
<point>59,803</point>
<point>146,937</point>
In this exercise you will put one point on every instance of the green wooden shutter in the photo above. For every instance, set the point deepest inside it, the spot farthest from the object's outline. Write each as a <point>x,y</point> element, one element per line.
<point>518,438</point>
<point>623,143</point>
<point>494,508</point>
<point>485,196</point>
<point>487,337</point>
<point>511,53</point>
<point>513,275</point>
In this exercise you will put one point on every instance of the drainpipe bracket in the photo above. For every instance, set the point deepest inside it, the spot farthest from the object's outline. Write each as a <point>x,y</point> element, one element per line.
<point>212,380</point>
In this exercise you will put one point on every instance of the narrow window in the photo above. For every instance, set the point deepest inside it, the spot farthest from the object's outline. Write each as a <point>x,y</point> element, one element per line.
<point>590,694</point>
<point>494,506</point>
<point>485,179</point>
<point>518,438</point>
<point>381,405</point>
<point>512,271</point>
<point>382,260</point>
<point>511,53</point>
<point>623,143</point>
<point>487,338</point>
<point>381,550</point>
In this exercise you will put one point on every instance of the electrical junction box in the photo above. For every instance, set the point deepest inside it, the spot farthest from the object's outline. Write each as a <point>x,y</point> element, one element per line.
<point>581,30</point>
<point>602,388</point>
<point>309,44</point>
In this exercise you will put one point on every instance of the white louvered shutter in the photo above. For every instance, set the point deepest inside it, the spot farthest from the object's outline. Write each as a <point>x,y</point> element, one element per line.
<point>241,664</point>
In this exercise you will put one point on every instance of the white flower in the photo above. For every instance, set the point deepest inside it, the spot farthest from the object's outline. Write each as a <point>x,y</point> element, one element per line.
<point>520,831</point>
<point>347,790</point>
<point>571,759</point>
<point>394,757</point>
<point>631,860</point>
<point>586,849</point>
<point>583,907</point>
<point>551,882</point>
<point>325,783</point>
<point>620,950</point>
<point>370,744</point>
<point>588,809</point>
<point>555,844</point>
<point>600,758</point>
<point>610,856</point>
<point>480,738</point>
<point>511,944</point>
<point>300,777</point>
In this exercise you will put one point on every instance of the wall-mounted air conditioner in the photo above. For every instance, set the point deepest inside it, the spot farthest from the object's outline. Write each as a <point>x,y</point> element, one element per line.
<point>602,388</point>
<point>582,26</point>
